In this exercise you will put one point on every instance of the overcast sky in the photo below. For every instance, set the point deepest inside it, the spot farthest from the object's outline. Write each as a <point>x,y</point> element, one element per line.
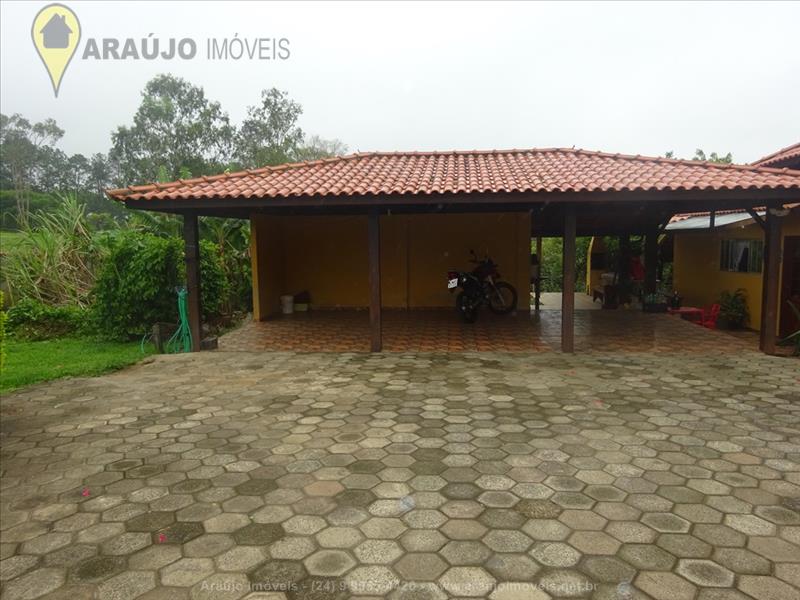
<point>633,78</point>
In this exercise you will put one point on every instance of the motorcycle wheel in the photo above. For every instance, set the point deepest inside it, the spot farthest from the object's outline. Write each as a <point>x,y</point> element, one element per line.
<point>502,299</point>
<point>467,312</point>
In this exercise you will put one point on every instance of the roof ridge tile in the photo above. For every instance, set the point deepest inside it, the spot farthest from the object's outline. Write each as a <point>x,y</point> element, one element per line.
<point>790,151</point>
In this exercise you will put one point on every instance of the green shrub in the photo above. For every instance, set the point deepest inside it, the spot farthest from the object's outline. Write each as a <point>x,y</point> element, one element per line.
<point>242,286</point>
<point>213,282</point>
<point>733,308</point>
<point>550,263</point>
<point>232,237</point>
<point>232,240</point>
<point>136,286</point>
<point>31,320</point>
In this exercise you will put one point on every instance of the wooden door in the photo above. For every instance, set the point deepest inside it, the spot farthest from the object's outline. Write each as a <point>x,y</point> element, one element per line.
<point>790,285</point>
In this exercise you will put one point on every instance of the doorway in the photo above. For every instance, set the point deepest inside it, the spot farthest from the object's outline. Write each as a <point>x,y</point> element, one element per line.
<point>790,285</point>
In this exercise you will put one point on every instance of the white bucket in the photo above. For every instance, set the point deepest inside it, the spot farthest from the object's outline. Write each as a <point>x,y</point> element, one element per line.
<point>287,304</point>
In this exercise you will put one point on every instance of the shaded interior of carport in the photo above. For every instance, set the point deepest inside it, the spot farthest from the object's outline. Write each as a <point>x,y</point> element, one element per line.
<point>565,193</point>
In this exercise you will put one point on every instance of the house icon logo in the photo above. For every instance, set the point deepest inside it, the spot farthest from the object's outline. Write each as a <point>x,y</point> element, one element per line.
<point>56,33</point>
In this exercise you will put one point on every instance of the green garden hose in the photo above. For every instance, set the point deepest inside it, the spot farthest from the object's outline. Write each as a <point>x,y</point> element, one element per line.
<point>181,340</point>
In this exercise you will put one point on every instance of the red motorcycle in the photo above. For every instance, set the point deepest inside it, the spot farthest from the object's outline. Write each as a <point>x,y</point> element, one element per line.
<point>481,286</point>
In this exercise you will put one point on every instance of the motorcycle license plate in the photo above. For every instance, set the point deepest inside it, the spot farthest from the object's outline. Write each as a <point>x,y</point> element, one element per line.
<point>452,283</point>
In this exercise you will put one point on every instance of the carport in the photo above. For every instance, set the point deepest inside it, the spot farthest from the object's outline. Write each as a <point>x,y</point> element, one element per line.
<point>357,201</point>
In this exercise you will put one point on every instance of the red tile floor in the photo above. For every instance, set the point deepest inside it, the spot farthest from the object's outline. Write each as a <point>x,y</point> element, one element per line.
<point>602,331</point>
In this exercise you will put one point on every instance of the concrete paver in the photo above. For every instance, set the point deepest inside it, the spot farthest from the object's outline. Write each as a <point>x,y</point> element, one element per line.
<point>410,475</point>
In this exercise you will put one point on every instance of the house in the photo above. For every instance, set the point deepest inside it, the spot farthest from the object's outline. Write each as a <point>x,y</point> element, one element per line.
<point>56,32</point>
<point>725,250</point>
<point>381,229</point>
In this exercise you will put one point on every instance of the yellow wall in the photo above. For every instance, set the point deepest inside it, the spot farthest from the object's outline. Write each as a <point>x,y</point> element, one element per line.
<point>327,256</point>
<point>696,273</point>
<point>438,243</point>
<point>266,256</point>
<point>596,245</point>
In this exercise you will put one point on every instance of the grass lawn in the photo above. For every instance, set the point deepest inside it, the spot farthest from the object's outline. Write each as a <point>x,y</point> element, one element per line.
<point>9,239</point>
<point>32,362</point>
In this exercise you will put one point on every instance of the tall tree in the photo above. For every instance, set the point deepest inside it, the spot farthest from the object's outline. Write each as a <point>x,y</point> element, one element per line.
<point>77,174</point>
<point>175,128</point>
<point>269,135</point>
<point>100,173</point>
<point>50,173</point>
<point>21,148</point>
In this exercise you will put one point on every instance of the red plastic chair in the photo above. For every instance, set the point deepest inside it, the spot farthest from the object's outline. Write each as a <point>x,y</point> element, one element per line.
<point>710,316</point>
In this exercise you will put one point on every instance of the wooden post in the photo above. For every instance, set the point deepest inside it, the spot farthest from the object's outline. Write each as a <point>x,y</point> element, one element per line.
<point>624,266</point>
<point>537,284</point>
<point>764,268</point>
<point>568,283</point>
<point>259,311</point>
<point>191,241</point>
<point>651,260</point>
<point>374,234</point>
<point>769,282</point>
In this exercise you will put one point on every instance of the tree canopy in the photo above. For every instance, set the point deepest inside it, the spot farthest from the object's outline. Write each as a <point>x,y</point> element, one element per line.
<point>270,134</point>
<point>699,154</point>
<point>176,127</point>
<point>176,132</point>
<point>24,151</point>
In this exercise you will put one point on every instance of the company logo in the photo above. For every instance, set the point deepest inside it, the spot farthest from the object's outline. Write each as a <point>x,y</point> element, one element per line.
<point>56,33</point>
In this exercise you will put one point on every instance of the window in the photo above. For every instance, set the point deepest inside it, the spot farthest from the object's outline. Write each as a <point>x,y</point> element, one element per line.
<point>742,256</point>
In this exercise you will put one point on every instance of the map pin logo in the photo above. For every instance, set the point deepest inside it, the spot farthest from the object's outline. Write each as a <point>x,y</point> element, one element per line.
<point>56,33</point>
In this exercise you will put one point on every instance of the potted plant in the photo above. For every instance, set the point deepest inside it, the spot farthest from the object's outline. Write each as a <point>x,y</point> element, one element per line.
<point>675,300</point>
<point>654,303</point>
<point>733,308</point>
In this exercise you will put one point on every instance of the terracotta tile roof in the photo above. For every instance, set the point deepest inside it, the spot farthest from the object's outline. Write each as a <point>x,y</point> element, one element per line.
<point>705,213</point>
<point>781,158</point>
<point>786,157</point>
<point>428,173</point>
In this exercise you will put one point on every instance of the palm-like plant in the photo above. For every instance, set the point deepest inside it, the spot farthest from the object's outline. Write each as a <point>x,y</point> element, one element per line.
<point>55,259</point>
<point>232,238</point>
<point>160,225</point>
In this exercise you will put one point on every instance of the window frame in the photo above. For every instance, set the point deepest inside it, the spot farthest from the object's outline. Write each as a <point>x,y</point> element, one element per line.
<point>730,254</point>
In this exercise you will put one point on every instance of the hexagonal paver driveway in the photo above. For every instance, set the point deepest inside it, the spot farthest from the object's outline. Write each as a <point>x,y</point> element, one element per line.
<point>327,476</point>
